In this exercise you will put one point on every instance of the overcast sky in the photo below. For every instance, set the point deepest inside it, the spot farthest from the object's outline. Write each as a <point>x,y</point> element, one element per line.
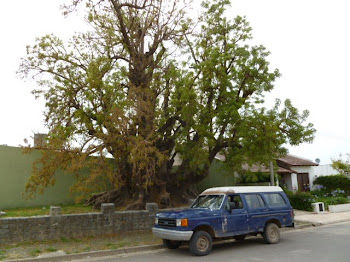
<point>309,41</point>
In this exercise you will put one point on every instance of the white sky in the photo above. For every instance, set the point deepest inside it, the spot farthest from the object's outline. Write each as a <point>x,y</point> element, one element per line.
<point>309,41</point>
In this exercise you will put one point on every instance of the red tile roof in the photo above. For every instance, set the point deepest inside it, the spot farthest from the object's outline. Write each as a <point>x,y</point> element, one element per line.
<point>296,161</point>
<point>264,169</point>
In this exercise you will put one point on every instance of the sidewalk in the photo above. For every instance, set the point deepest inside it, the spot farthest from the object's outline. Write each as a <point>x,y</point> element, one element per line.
<point>304,217</point>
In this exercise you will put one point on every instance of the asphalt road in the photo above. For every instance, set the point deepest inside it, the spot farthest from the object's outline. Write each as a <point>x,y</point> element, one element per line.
<point>318,244</point>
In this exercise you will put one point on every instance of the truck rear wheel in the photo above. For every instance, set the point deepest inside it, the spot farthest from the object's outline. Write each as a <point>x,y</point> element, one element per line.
<point>201,243</point>
<point>271,233</point>
<point>171,244</point>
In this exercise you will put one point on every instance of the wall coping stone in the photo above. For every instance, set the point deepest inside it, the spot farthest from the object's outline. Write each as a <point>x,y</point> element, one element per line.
<point>107,208</point>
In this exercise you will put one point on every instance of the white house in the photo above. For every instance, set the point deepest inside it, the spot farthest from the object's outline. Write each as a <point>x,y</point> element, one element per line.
<point>302,172</point>
<point>297,173</point>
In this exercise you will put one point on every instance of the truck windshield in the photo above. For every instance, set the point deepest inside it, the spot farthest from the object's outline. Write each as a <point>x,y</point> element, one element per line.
<point>208,201</point>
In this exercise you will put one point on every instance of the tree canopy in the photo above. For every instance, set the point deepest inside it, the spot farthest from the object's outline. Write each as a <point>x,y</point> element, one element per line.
<point>148,84</point>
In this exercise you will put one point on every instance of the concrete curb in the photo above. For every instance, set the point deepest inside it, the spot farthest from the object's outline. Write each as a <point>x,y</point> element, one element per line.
<point>91,254</point>
<point>306,224</point>
<point>332,222</point>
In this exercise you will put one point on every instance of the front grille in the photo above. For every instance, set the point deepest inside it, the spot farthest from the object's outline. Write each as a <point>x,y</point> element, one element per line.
<point>167,222</point>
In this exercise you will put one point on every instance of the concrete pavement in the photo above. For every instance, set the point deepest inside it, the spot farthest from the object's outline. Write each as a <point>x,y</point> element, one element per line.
<point>317,219</point>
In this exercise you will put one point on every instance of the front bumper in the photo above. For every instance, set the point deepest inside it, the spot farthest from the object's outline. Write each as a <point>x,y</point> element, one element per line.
<point>172,234</point>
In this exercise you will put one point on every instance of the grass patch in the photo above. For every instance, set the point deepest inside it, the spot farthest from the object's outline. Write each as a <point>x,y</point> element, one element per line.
<point>2,254</point>
<point>51,249</point>
<point>34,252</point>
<point>70,240</point>
<point>111,246</point>
<point>45,210</point>
<point>86,249</point>
<point>27,212</point>
<point>117,245</point>
<point>30,249</point>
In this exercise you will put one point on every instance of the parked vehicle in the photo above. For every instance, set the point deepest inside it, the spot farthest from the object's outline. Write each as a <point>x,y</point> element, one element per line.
<point>226,212</point>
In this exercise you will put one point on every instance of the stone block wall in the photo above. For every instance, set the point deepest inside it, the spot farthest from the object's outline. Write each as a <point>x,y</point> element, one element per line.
<point>56,225</point>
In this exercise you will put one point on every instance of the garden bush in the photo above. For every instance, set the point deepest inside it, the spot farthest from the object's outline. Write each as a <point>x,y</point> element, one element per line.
<point>330,184</point>
<point>319,193</point>
<point>301,200</point>
<point>332,201</point>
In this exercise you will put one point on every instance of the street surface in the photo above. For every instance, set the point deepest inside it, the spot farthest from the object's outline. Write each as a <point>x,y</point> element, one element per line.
<point>317,244</point>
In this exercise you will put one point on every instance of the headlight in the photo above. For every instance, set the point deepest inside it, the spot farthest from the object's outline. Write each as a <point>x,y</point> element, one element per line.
<point>182,222</point>
<point>156,221</point>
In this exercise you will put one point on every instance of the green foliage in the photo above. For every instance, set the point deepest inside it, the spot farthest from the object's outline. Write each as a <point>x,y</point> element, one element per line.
<point>3,254</point>
<point>329,184</point>
<point>253,177</point>
<point>146,85</point>
<point>331,200</point>
<point>301,200</point>
<point>343,166</point>
<point>35,252</point>
<point>42,211</point>
<point>51,249</point>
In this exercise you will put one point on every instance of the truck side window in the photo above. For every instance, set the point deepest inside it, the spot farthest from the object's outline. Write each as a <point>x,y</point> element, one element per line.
<point>254,201</point>
<point>275,200</point>
<point>237,200</point>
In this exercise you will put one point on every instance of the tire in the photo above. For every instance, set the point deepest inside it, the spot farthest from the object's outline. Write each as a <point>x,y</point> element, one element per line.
<point>271,233</point>
<point>239,238</point>
<point>171,244</point>
<point>201,243</point>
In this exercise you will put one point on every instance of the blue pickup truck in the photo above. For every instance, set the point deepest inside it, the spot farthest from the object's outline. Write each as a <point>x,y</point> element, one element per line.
<point>226,212</point>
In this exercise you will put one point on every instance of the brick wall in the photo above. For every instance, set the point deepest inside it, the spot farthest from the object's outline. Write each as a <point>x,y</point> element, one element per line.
<point>55,226</point>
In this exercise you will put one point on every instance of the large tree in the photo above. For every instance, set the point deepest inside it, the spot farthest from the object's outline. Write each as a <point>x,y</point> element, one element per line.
<point>147,85</point>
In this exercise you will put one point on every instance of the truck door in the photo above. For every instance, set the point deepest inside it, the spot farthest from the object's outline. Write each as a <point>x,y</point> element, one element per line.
<point>235,216</point>
<point>258,212</point>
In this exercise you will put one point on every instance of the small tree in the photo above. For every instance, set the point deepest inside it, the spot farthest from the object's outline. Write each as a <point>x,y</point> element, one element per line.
<point>343,166</point>
<point>145,86</point>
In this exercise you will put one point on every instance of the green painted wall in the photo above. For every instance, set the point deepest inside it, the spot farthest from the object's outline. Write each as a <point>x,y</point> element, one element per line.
<point>219,175</point>
<point>15,168</point>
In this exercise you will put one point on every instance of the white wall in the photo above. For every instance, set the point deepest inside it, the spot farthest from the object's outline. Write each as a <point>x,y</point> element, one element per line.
<point>301,169</point>
<point>294,179</point>
<point>313,171</point>
<point>316,171</point>
<point>323,170</point>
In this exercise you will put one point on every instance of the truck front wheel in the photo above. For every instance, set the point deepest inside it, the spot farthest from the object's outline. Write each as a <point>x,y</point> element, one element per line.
<point>171,244</point>
<point>201,243</point>
<point>271,233</point>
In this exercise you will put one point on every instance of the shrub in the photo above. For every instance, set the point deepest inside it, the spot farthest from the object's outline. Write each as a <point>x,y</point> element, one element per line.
<point>326,193</point>
<point>301,200</point>
<point>333,183</point>
<point>333,201</point>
